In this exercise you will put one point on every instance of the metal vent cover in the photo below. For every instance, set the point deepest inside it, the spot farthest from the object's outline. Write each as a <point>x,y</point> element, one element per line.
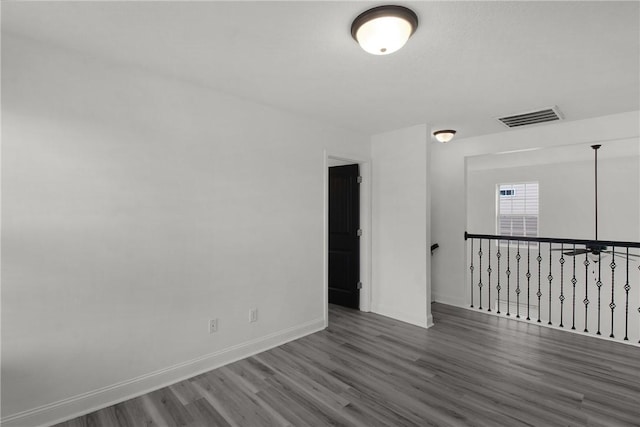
<point>549,114</point>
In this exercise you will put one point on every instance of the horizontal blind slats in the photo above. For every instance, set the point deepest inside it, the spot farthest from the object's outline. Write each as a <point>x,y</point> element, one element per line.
<point>518,209</point>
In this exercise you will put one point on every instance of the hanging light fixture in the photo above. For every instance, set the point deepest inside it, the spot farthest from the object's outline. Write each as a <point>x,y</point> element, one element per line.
<point>444,135</point>
<point>384,29</point>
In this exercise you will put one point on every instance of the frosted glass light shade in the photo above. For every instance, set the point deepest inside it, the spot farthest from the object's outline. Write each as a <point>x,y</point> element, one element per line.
<point>385,29</point>
<point>444,135</point>
<point>382,36</point>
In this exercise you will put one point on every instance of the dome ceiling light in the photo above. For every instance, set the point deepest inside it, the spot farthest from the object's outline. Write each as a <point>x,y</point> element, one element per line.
<point>384,29</point>
<point>444,135</point>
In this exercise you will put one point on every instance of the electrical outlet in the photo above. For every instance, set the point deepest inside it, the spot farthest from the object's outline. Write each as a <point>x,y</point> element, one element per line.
<point>213,326</point>
<point>253,315</point>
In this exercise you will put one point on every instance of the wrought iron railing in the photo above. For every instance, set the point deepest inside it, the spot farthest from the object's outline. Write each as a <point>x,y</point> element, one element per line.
<point>553,281</point>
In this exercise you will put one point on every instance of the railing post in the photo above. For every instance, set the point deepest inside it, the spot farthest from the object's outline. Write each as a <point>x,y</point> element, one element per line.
<point>561,298</point>
<point>508,272</point>
<point>550,278</point>
<point>518,281</point>
<point>627,287</point>
<point>612,304</point>
<point>480,275</point>
<point>489,277</point>
<point>539,294</point>
<point>498,255</point>
<point>471,269</point>
<point>573,282</point>
<point>528,276</point>
<point>586,290</point>
<point>599,285</point>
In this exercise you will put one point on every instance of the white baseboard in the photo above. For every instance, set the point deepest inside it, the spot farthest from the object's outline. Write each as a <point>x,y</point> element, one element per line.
<point>401,316</point>
<point>84,403</point>
<point>429,320</point>
<point>445,299</point>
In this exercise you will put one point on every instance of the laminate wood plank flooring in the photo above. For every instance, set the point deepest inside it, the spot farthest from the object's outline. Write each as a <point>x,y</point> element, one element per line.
<point>470,369</point>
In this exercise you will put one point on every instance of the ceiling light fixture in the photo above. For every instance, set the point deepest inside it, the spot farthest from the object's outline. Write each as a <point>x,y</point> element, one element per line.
<point>444,135</point>
<point>384,29</point>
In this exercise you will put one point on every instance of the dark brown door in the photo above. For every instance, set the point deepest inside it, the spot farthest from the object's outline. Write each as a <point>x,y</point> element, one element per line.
<point>344,239</point>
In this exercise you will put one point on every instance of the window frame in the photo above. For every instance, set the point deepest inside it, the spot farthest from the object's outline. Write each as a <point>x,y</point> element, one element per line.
<point>498,205</point>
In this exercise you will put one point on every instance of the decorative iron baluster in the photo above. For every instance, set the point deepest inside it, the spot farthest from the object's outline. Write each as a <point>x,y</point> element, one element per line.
<point>518,281</point>
<point>612,304</point>
<point>471,268</point>
<point>539,294</point>
<point>599,285</point>
<point>498,285</point>
<point>480,274</point>
<point>626,308</point>
<point>561,298</point>
<point>528,276</point>
<point>586,289</point>
<point>508,272</point>
<point>550,278</point>
<point>574,281</point>
<point>489,276</point>
<point>590,260</point>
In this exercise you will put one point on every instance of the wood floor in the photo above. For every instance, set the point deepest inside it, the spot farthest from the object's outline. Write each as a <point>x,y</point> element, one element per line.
<point>369,370</point>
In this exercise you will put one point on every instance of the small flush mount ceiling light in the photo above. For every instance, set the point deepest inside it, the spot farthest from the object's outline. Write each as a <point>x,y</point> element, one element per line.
<point>384,29</point>
<point>444,135</point>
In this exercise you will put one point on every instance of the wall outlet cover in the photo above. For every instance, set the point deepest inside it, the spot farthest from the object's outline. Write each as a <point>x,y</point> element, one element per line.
<point>213,326</point>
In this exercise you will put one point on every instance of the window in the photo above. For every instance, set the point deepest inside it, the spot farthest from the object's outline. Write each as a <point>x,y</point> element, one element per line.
<point>517,209</point>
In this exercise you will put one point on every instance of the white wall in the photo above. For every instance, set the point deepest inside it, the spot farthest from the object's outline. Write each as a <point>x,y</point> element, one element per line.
<point>566,185</point>
<point>448,170</point>
<point>400,222</point>
<point>137,207</point>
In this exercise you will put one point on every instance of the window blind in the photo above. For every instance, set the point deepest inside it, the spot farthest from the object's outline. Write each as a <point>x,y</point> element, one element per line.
<point>518,209</point>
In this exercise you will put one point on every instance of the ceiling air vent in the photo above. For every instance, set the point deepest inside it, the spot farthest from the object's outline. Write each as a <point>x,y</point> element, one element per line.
<point>544,115</point>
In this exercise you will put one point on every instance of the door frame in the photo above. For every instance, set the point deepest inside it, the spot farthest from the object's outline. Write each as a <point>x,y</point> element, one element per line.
<point>364,164</point>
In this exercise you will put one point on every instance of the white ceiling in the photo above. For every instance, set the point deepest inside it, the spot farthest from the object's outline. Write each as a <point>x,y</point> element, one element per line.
<point>468,62</point>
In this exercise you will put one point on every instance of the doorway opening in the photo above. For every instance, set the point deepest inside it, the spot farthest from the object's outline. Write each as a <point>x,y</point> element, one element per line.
<point>364,211</point>
<point>344,236</point>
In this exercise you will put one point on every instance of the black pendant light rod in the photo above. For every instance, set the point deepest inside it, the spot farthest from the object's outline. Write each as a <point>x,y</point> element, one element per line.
<point>595,148</point>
